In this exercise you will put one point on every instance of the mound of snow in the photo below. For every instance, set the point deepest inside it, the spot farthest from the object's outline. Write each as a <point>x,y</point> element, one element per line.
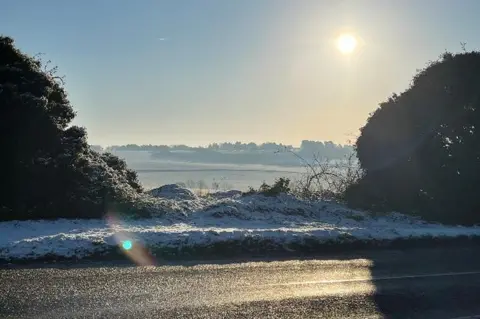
<point>173,191</point>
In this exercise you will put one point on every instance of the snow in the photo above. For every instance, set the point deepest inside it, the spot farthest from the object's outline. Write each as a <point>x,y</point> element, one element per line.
<point>172,191</point>
<point>208,220</point>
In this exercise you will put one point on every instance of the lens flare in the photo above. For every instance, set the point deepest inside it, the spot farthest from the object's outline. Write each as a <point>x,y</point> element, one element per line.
<point>132,247</point>
<point>127,244</point>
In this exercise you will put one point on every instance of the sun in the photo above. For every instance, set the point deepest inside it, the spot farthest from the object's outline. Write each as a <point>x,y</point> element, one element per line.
<point>347,43</point>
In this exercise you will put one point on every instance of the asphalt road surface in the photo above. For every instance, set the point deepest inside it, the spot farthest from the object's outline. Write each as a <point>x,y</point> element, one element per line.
<point>423,283</point>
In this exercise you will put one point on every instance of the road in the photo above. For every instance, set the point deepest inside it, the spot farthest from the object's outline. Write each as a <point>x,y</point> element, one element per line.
<point>422,283</point>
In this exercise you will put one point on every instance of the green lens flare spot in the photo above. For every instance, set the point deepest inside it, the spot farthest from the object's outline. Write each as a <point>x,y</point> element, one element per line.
<point>127,244</point>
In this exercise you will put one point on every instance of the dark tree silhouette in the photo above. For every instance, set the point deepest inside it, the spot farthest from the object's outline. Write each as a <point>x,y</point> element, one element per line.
<point>420,150</point>
<point>49,169</point>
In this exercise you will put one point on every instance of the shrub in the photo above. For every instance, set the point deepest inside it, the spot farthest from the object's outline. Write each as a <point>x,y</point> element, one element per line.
<point>49,169</point>
<point>250,191</point>
<point>326,179</point>
<point>322,179</point>
<point>280,186</point>
<point>420,149</point>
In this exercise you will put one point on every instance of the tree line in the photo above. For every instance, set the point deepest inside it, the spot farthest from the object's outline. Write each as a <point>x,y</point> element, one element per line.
<point>327,149</point>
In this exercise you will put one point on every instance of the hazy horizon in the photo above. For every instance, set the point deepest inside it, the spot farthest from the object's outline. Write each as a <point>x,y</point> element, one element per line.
<point>194,73</point>
<point>298,144</point>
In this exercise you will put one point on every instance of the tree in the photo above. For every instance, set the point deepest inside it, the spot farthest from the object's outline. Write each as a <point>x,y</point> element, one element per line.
<point>420,150</point>
<point>49,169</point>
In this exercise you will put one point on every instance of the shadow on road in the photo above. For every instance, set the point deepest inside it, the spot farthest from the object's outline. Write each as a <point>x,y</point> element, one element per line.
<point>442,282</point>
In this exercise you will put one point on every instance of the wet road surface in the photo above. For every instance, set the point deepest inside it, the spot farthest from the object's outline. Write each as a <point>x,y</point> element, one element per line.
<point>423,283</point>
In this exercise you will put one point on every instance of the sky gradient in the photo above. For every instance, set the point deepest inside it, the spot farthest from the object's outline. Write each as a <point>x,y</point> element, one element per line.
<point>196,72</point>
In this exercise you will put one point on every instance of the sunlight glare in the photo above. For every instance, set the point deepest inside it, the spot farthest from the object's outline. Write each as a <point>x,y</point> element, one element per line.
<point>346,43</point>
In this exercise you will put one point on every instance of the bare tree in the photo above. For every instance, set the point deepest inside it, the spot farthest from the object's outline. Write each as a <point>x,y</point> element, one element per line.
<point>326,179</point>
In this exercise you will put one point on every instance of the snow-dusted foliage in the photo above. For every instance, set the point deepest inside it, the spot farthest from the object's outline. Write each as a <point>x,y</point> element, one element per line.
<point>49,169</point>
<point>205,221</point>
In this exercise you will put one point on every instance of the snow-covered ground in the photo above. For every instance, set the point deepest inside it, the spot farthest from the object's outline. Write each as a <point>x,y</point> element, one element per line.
<point>193,221</point>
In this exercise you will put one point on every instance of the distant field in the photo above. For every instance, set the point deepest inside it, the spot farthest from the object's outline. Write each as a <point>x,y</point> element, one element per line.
<point>153,173</point>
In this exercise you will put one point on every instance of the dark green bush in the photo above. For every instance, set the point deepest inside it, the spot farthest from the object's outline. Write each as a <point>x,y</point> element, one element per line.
<point>281,185</point>
<point>420,150</point>
<point>49,169</point>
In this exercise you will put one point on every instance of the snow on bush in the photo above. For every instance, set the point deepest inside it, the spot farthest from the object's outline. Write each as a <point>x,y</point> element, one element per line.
<point>206,221</point>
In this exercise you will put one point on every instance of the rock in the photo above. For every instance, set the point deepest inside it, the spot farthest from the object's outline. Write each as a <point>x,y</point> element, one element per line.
<point>172,191</point>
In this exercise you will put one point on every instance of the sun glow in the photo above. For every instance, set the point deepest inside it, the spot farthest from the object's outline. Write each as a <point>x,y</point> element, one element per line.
<point>347,43</point>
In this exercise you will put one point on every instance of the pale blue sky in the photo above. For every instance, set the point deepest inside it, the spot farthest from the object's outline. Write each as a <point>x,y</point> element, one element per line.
<point>195,72</point>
